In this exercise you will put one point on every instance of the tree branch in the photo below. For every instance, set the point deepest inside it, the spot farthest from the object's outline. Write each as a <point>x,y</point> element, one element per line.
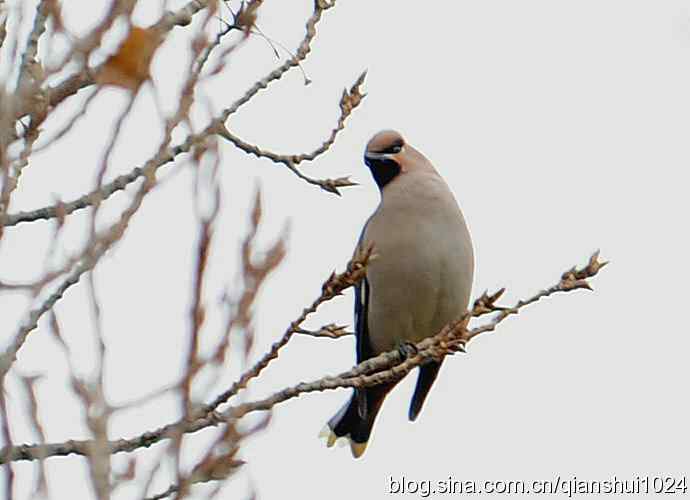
<point>86,77</point>
<point>348,102</point>
<point>181,18</point>
<point>385,367</point>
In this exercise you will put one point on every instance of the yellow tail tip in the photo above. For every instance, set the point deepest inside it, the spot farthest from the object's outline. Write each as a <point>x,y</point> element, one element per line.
<point>357,449</point>
<point>330,436</point>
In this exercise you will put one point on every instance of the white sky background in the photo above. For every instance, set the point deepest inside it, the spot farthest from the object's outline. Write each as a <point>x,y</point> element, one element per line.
<point>561,127</point>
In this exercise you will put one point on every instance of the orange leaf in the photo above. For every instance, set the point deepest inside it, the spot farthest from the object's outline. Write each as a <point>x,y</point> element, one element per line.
<point>129,66</point>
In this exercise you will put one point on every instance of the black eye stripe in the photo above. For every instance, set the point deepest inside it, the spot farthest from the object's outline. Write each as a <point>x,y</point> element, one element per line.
<point>393,148</point>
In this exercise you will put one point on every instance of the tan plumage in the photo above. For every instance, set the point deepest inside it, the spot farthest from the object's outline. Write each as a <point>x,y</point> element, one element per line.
<point>420,281</point>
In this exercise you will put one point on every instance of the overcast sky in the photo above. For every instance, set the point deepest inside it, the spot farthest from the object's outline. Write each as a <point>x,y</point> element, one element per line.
<point>561,127</point>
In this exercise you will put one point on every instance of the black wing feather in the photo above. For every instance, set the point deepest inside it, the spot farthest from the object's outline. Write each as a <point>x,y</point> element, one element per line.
<point>361,323</point>
<point>362,333</point>
<point>364,350</point>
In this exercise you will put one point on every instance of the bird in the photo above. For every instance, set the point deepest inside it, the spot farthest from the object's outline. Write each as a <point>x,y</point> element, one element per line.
<point>420,280</point>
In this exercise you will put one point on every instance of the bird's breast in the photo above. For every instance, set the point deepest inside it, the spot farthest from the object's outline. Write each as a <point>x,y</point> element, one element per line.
<point>422,276</point>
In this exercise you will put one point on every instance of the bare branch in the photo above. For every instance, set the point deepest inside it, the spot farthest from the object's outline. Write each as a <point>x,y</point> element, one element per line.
<point>7,437</point>
<point>3,30</point>
<point>333,287</point>
<point>348,102</point>
<point>385,367</point>
<point>205,361</point>
<point>331,330</point>
<point>28,382</point>
<point>118,184</point>
<point>183,16</point>
<point>573,279</point>
<point>86,76</point>
<point>320,6</point>
<point>101,245</point>
<point>26,72</point>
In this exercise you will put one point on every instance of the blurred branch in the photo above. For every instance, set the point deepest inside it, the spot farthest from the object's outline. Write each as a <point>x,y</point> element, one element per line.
<point>87,76</point>
<point>63,209</point>
<point>385,367</point>
<point>41,488</point>
<point>3,29</point>
<point>29,55</point>
<point>334,286</point>
<point>102,243</point>
<point>182,16</point>
<point>255,271</point>
<point>99,243</point>
<point>7,437</point>
<point>348,102</point>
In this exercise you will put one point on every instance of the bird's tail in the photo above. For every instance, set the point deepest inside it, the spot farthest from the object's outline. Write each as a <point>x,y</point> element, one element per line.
<point>425,379</point>
<point>355,419</point>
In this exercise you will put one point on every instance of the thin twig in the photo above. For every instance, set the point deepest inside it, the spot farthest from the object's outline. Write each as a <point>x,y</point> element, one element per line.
<point>348,102</point>
<point>331,331</point>
<point>26,74</point>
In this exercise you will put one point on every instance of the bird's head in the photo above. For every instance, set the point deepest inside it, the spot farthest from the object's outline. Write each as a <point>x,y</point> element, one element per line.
<point>388,156</point>
<point>384,156</point>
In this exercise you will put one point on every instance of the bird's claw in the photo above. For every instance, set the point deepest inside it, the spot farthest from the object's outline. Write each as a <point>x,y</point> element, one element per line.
<point>407,349</point>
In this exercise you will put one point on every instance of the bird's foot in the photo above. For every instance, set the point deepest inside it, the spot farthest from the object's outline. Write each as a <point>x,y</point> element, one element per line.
<point>407,349</point>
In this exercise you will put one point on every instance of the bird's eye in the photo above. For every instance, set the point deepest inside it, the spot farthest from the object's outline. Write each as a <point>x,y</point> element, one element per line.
<point>395,149</point>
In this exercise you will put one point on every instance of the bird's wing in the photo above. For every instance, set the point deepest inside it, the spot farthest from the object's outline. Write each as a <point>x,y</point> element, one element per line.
<point>362,332</point>
<point>364,350</point>
<point>362,290</point>
<point>361,324</point>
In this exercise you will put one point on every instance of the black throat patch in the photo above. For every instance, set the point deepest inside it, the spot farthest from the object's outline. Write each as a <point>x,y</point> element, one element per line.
<point>383,171</point>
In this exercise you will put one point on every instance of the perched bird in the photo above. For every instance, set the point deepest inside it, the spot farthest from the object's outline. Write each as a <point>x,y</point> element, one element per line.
<point>419,282</point>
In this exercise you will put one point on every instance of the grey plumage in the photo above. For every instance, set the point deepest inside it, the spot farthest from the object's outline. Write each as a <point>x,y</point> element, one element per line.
<point>420,281</point>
